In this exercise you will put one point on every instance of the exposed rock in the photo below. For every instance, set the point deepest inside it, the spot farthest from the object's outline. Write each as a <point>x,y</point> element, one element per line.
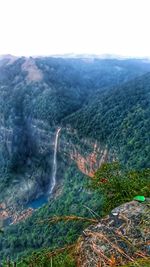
<point>12,216</point>
<point>122,236</point>
<point>34,74</point>
<point>86,153</point>
<point>89,164</point>
<point>22,216</point>
<point>5,214</point>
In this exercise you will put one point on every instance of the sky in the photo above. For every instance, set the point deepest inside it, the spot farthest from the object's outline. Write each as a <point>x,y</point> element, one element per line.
<point>46,27</point>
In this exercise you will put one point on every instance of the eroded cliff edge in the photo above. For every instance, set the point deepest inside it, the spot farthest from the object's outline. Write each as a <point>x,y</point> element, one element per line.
<point>120,237</point>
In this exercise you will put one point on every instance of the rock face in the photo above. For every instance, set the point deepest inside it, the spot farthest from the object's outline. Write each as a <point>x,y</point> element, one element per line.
<point>89,164</point>
<point>34,74</point>
<point>33,180</point>
<point>122,236</point>
<point>87,154</point>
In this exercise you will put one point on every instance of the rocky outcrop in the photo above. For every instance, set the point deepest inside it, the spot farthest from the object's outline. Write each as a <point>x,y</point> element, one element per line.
<point>5,215</point>
<point>87,154</point>
<point>90,163</point>
<point>11,216</point>
<point>22,216</point>
<point>120,237</point>
<point>33,73</point>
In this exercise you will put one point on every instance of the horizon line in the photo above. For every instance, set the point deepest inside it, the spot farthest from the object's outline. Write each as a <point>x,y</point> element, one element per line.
<point>78,55</point>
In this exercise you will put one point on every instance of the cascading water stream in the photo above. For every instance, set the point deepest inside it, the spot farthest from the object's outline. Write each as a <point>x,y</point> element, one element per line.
<point>37,203</point>
<point>54,162</point>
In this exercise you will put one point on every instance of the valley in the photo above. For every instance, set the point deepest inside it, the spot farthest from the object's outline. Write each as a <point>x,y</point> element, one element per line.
<point>61,119</point>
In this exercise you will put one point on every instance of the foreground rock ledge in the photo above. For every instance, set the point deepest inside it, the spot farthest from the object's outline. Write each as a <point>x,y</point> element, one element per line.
<point>122,236</point>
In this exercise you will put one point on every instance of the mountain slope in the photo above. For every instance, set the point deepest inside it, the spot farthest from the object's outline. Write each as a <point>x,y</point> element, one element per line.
<point>102,116</point>
<point>35,96</point>
<point>120,119</point>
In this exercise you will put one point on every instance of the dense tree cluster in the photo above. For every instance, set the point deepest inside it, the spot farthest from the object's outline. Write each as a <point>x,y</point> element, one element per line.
<point>120,119</point>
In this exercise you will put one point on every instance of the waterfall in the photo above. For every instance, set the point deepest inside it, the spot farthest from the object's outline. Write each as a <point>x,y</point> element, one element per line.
<point>55,162</point>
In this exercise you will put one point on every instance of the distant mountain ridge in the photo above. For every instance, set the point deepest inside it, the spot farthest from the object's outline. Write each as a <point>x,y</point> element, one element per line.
<point>79,56</point>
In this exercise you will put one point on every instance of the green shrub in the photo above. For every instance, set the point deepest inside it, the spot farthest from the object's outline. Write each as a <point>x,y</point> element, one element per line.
<point>118,186</point>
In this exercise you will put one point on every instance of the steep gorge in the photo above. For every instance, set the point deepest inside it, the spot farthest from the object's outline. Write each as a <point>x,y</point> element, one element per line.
<point>34,181</point>
<point>37,95</point>
<point>100,121</point>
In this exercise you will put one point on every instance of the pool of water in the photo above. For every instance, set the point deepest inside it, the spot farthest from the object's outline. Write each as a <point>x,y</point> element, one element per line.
<point>7,222</point>
<point>37,203</point>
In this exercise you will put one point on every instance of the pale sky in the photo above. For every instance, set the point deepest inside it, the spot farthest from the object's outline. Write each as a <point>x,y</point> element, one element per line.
<point>45,27</point>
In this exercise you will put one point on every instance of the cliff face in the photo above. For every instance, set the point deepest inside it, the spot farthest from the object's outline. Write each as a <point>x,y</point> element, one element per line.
<point>87,154</point>
<point>120,237</point>
<point>34,151</point>
<point>90,163</point>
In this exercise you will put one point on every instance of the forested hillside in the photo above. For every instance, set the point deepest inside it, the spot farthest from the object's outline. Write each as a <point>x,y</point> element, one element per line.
<point>37,94</point>
<point>102,107</point>
<point>119,119</point>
